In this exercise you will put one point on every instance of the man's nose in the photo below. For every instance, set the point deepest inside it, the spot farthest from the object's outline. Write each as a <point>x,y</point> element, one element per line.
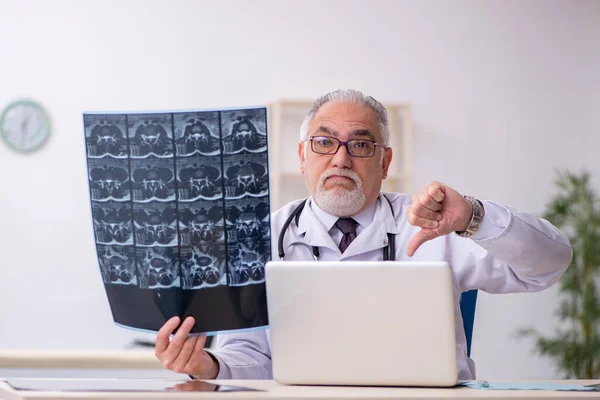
<point>342,159</point>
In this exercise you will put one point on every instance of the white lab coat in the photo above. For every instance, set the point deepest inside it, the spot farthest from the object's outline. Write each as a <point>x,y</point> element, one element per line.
<point>512,252</point>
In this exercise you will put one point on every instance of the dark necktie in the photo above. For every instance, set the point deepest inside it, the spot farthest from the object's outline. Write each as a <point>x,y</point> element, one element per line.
<point>348,227</point>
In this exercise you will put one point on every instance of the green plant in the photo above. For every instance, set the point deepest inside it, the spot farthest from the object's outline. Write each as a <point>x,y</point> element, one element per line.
<point>576,345</point>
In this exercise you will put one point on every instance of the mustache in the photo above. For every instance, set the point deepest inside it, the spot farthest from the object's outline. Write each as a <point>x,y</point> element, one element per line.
<point>340,172</point>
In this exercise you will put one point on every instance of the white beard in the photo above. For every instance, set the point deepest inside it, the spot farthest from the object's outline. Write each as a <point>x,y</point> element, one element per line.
<point>340,201</point>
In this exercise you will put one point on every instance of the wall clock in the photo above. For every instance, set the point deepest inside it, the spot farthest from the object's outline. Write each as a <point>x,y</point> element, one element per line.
<point>24,125</point>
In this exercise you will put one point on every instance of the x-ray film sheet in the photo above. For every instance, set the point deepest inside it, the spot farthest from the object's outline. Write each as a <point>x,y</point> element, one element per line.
<point>180,209</point>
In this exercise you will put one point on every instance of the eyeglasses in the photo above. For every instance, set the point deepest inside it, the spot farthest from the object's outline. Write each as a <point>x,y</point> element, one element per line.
<point>360,148</point>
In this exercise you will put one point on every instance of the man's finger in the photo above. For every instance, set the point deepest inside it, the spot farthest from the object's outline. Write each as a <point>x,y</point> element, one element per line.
<point>200,344</point>
<point>196,358</point>
<point>162,337</point>
<point>426,213</point>
<point>415,220</point>
<point>178,340</point>
<point>418,239</point>
<point>184,355</point>
<point>429,202</point>
<point>437,191</point>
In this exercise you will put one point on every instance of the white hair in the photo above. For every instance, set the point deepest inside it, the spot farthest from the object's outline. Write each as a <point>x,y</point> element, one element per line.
<point>349,96</point>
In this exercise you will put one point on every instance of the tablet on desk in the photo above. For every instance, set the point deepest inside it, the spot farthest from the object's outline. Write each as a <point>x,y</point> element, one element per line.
<point>118,385</point>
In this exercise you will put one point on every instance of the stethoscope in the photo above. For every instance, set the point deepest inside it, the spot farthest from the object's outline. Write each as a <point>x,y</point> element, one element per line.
<point>389,251</point>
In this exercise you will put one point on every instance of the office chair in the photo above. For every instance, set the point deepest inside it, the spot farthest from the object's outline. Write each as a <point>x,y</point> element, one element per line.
<point>467,302</point>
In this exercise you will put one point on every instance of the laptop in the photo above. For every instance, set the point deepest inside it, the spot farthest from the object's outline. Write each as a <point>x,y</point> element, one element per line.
<point>362,323</point>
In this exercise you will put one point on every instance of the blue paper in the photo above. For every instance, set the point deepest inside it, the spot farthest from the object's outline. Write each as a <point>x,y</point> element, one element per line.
<point>485,385</point>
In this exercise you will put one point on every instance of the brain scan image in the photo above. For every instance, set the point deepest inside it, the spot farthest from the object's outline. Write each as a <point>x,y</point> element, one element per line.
<point>244,131</point>
<point>112,223</point>
<point>117,265</point>
<point>155,224</point>
<point>203,266</point>
<point>109,180</point>
<point>158,267</point>
<point>246,176</point>
<point>197,134</point>
<point>199,178</point>
<point>201,222</point>
<point>152,180</point>
<point>151,135</point>
<point>105,136</point>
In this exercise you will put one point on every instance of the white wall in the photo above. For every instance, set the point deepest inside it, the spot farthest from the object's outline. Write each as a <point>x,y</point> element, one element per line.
<point>504,92</point>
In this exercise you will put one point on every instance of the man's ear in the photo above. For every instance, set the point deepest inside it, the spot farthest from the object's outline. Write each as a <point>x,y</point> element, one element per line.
<point>387,161</point>
<point>301,155</point>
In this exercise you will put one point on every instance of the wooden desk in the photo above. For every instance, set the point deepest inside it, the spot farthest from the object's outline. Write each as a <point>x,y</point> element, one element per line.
<point>276,391</point>
<point>117,359</point>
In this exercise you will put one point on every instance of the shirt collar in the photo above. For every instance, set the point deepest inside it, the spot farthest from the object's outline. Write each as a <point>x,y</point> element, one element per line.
<point>364,218</point>
<point>380,212</point>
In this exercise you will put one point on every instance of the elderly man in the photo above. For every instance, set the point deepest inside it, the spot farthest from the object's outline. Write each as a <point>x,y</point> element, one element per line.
<point>345,156</point>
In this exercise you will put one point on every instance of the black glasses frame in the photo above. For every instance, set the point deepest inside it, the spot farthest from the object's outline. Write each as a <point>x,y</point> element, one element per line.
<point>345,144</point>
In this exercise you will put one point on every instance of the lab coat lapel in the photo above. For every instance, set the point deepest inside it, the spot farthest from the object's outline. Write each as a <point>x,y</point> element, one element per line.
<point>374,236</point>
<point>313,230</point>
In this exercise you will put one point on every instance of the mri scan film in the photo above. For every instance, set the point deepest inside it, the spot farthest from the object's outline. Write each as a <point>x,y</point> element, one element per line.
<point>180,215</point>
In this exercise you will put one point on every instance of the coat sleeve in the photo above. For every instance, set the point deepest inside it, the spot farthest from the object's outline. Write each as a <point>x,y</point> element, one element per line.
<point>244,355</point>
<point>528,254</point>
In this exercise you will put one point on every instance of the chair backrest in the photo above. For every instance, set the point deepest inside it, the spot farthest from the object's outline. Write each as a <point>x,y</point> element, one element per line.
<point>468,300</point>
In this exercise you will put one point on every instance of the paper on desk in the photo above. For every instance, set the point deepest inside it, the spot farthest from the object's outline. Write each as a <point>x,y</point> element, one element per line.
<point>485,385</point>
<point>180,209</point>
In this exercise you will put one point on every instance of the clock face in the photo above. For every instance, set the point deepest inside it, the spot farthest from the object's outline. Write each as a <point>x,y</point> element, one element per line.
<point>24,125</point>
